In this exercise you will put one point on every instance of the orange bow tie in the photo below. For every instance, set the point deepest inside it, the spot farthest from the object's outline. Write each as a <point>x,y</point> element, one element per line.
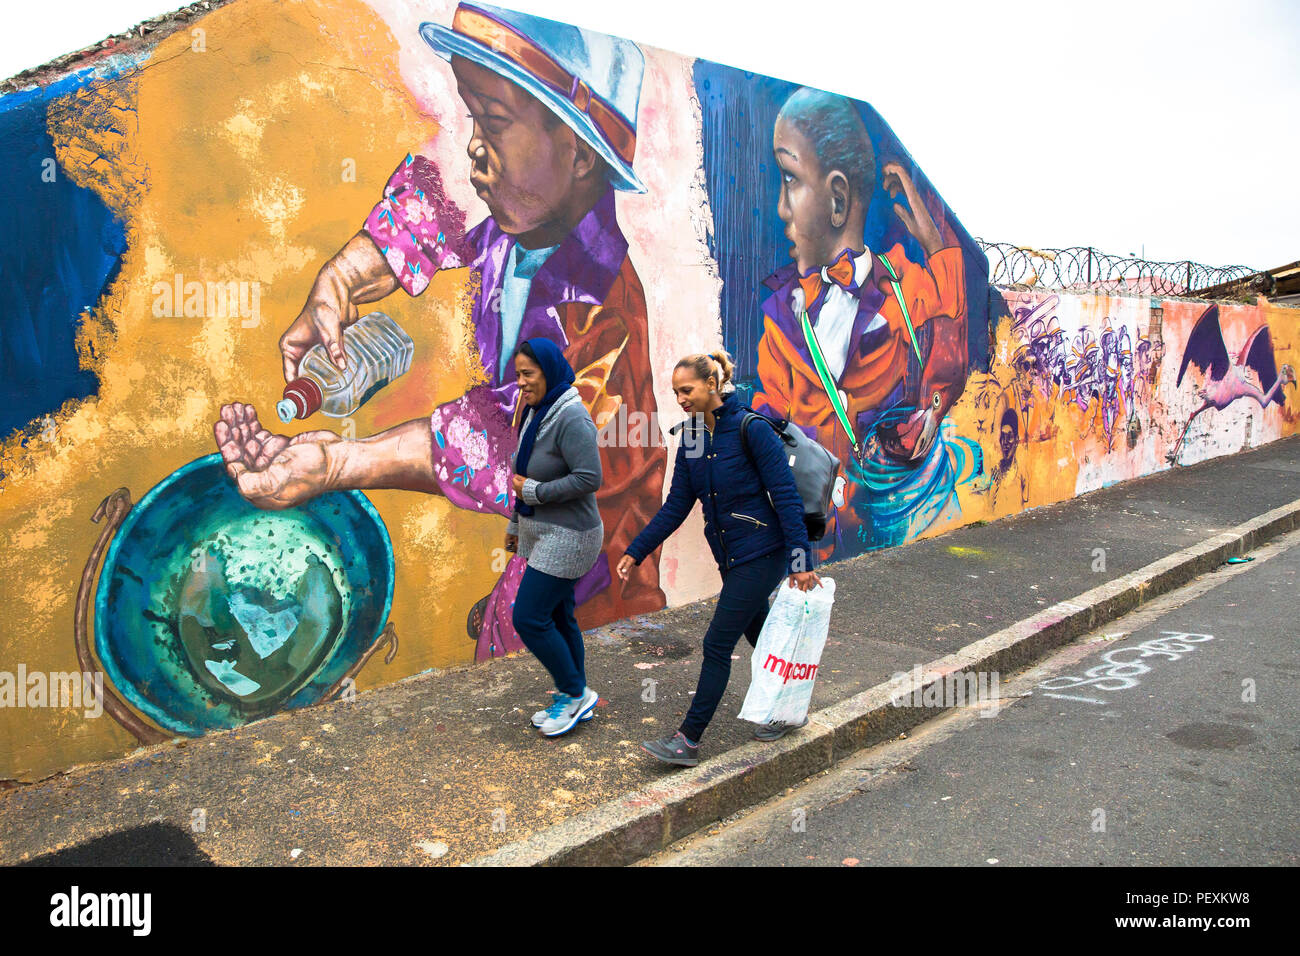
<point>840,272</point>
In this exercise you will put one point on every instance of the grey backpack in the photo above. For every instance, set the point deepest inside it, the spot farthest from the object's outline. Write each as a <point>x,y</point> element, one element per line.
<point>815,470</point>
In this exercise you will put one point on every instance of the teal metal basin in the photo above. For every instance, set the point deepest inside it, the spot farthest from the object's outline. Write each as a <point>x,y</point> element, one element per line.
<point>211,612</point>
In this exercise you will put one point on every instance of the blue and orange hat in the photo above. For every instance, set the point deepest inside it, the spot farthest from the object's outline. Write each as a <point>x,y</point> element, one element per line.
<point>590,80</point>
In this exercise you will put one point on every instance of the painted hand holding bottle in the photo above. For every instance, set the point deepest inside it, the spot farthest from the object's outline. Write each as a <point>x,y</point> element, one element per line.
<point>377,352</point>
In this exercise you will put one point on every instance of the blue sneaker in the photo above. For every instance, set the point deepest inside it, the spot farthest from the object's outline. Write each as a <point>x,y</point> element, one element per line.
<point>539,718</point>
<point>564,714</point>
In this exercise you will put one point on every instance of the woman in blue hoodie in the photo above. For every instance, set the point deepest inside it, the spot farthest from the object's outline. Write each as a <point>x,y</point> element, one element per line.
<point>556,525</point>
<point>756,541</point>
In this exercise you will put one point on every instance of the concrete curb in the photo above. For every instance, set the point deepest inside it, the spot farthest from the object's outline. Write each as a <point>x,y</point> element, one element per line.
<point>646,821</point>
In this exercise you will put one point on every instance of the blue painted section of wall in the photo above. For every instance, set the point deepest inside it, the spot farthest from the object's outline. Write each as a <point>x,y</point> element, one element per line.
<point>739,111</point>
<point>65,246</point>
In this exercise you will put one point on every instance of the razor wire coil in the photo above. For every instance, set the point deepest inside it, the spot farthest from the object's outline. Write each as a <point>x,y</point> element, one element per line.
<point>1080,268</point>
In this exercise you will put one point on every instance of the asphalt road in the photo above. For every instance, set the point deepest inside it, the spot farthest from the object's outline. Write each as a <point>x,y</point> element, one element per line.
<point>1155,749</point>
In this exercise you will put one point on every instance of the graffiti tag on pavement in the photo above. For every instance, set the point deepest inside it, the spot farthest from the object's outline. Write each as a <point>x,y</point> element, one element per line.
<point>1122,666</point>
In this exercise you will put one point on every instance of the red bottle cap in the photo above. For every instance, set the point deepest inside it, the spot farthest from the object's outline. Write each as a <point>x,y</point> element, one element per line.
<point>302,398</point>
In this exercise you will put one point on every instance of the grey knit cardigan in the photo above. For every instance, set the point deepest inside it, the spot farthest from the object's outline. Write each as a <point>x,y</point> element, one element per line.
<point>564,534</point>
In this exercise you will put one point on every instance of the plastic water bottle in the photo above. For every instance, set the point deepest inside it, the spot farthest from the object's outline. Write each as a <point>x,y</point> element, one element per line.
<point>377,352</point>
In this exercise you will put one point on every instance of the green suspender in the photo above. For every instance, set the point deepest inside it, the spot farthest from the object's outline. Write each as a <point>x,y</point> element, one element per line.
<point>824,373</point>
<point>828,382</point>
<point>902,304</point>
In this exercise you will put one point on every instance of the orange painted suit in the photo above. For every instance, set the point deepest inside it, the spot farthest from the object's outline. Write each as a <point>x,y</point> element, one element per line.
<point>881,371</point>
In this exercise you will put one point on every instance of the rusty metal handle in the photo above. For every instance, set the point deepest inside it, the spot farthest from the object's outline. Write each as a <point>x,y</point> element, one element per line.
<point>387,636</point>
<point>115,507</point>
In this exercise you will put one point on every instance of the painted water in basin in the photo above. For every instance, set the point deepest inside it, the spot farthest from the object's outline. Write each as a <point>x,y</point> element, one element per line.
<point>211,612</point>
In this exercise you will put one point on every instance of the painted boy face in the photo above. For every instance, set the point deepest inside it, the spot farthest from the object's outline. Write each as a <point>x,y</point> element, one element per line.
<point>806,202</point>
<point>521,154</point>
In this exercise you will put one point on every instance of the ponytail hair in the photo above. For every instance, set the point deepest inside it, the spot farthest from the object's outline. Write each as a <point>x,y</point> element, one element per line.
<point>716,365</point>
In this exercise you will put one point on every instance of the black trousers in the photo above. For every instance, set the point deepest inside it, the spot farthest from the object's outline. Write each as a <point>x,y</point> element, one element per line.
<point>742,609</point>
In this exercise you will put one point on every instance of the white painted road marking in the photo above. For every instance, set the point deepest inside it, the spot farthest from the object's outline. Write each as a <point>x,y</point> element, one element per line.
<point>1116,674</point>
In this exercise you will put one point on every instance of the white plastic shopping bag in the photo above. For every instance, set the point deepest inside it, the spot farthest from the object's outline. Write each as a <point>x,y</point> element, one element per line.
<point>788,653</point>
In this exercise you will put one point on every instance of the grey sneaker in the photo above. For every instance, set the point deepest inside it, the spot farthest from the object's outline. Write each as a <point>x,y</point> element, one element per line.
<point>564,714</point>
<point>777,729</point>
<point>674,750</point>
<point>539,718</point>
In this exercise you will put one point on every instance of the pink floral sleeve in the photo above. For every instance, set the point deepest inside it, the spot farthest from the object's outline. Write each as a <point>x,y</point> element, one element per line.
<point>472,447</point>
<point>417,228</point>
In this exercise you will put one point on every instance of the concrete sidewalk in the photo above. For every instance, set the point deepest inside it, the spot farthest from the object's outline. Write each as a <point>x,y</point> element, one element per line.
<point>444,767</point>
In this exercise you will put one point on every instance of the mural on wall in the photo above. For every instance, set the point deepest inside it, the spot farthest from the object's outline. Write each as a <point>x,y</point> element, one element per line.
<point>551,261</point>
<point>1064,390</point>
<point>1100,371</point>
<point>444,180</point>
<point>869,298</point>
<point>1076,398</point>
<point>71,249</point>
<point>1252,374</point>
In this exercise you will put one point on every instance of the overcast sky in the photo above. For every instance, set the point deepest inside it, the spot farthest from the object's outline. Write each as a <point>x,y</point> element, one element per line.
<point>1168,128</point>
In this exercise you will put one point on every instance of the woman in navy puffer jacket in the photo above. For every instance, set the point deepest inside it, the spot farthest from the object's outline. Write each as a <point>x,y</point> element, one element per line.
<point>756,541</point>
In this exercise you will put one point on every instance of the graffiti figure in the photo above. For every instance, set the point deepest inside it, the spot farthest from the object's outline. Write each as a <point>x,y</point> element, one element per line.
<point>1096,372</point>
<point>1105,368</point>
<point>1081,370</point>
<point>554,114</point>
<point>866,352</point>
<point>1148,355</point>
<point>1039,363</point>
<point>987,399</point>
<point>1006,474</point>
<point>1225,380</point>
<point>1115,380</point>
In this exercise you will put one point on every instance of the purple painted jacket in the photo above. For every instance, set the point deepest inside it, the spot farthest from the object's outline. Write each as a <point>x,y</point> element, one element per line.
<point>587,299</point>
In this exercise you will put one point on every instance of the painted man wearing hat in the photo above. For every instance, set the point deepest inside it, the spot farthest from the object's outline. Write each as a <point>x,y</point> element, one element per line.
<point>554,131</point>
